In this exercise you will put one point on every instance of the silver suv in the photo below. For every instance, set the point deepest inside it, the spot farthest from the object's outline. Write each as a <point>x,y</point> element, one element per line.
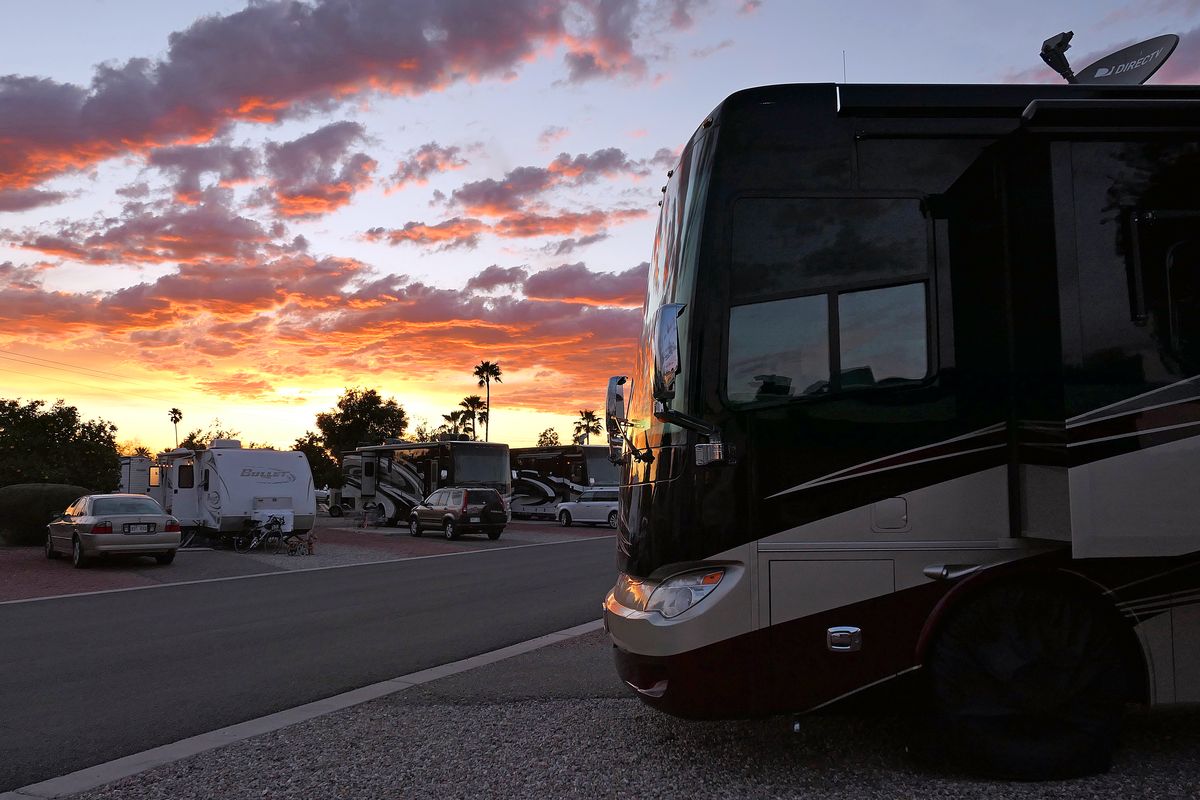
<point>595,506</point>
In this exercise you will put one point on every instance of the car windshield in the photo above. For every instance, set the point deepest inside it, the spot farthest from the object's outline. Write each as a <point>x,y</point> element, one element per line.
<point>124,505</point>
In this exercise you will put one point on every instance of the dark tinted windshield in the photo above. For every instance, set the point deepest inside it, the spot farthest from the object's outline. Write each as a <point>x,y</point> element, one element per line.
<point>601,471</point>
<point>481,465</point>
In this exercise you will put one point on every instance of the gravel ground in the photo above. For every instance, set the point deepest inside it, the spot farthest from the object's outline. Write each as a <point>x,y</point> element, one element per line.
<point>555,723</point>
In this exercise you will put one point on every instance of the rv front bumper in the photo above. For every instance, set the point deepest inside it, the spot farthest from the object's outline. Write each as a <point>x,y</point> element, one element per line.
<point>689,664</point>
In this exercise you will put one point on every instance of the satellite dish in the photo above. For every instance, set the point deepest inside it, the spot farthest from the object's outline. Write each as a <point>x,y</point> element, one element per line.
<point>1130,66</point>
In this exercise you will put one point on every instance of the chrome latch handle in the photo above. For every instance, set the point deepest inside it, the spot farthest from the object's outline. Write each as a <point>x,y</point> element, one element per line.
<point>844,639</point>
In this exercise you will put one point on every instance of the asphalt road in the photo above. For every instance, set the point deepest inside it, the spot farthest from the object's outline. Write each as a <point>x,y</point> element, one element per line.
<point>87,679</point>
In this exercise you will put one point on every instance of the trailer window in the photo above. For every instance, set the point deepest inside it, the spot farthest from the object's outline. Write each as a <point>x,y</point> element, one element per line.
<point>187,476</point>
<point>882,336</point>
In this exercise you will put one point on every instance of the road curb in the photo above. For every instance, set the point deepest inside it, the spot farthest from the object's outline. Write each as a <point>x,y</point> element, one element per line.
<point>93,777</point>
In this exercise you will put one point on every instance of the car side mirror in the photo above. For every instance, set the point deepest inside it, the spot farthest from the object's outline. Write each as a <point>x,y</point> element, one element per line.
<point>665,347</point>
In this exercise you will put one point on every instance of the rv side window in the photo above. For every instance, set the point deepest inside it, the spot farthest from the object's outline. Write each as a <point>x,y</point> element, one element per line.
<point>882,336</point>
<point>156,476</point>
<point>187,476</point>
<point>778,349</point>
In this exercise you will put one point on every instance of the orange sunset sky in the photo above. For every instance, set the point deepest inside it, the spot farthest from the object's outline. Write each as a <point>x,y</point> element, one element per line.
<point>240,210</point>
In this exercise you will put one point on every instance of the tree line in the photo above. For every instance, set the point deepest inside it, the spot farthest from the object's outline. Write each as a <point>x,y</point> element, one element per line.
<point>54,444</point>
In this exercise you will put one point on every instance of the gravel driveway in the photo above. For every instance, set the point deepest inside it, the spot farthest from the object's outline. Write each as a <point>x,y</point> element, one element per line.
<point>555,723</point>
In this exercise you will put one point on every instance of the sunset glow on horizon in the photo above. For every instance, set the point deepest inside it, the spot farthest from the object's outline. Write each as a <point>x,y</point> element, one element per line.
<point>243,210</point>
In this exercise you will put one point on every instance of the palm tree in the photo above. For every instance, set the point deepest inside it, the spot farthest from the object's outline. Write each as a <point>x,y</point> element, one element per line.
<point>587,424</point>
<point>453,420</point>
<point>175,415</point>
<point>487,372</point>
<point>473,404</point>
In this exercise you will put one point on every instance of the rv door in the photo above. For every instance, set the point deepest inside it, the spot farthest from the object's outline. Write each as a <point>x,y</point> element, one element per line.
<point>368,474</point>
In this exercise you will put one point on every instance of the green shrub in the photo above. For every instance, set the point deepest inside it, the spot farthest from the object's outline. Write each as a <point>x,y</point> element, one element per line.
<point>26,509</point>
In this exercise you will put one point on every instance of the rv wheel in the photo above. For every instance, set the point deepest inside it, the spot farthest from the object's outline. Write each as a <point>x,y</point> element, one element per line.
<point>335,511</point>
<point>1029,682</point>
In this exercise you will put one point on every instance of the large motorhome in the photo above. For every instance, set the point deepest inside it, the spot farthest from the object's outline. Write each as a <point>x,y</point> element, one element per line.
<point>918,390</point>
<point>543,477</point>
<point>226,488</point>
<point>397,476</point>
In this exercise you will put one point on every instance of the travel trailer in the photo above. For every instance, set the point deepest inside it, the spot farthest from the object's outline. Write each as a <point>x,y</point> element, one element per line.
<point>543,477</point>
<point>918,393</point>
<point>390,479</point>
<point>136,474</point>
<point>226,488</point>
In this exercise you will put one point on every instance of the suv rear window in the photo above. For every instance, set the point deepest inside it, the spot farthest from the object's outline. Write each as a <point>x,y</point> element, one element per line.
<point>482,495</point>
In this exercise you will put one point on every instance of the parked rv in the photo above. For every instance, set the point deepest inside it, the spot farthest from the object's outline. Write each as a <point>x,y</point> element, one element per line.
<point>918,389</point>
<point>398,476</point>
<point>543,477</point>
<point>135,474</point>
<point>227,488</point>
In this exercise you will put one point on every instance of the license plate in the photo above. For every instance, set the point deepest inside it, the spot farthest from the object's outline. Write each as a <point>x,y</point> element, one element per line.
<point>474,519</point>
<point>139,527</point>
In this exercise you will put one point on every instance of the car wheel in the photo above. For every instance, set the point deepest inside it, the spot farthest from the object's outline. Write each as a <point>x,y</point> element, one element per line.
<point>335,511</point>
<point>78,559</point>
<point>449,529</point>
<point>1029,681</point>
<point>564,519</point>
<point>50,551</point>
<point>165,558</point>
<point>612,520</point>
<point>494,535</point>
<point>414,527</point>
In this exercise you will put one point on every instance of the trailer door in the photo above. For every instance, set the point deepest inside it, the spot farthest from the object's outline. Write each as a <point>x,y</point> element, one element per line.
<point>1128,225</point>
<point>369,464</point>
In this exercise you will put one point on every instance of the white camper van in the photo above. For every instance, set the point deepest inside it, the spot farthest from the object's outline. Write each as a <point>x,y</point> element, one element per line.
<point>227,488</point>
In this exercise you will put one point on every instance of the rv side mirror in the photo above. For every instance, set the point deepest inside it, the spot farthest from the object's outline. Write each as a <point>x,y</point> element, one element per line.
<point>614,407</point>
<point>666,350</point>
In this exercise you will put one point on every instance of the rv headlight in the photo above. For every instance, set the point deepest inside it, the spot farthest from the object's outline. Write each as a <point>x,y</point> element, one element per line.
<point>680,592</point>
<point>630,592</point>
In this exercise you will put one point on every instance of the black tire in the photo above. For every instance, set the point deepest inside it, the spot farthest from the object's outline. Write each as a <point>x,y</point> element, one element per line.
<point>612,520</point>
<point>242,542</point>
<point>564,519</point>
<point>78,559</point>
<point>335,511</point>
<point>165,558</point>
<point>449,529</point>
<point>51,553</point>
<point>494,535</point>
<point>1029,681</point>
<point>414,526</point>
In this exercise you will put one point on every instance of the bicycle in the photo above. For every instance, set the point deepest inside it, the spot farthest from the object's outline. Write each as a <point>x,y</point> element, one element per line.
<point>258,535</point>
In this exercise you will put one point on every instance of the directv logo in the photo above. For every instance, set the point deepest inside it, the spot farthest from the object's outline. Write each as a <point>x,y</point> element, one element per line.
<point>1104,72</point>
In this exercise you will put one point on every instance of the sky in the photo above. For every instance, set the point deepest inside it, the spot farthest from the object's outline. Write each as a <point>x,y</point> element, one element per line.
<point>241,210</point>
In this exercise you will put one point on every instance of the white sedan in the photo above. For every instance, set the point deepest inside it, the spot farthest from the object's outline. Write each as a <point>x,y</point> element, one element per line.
<point>99,524</point>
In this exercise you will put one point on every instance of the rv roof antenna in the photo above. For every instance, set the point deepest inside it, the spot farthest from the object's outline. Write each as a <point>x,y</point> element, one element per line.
<point>843,66</point>
<point>1054,53</point>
